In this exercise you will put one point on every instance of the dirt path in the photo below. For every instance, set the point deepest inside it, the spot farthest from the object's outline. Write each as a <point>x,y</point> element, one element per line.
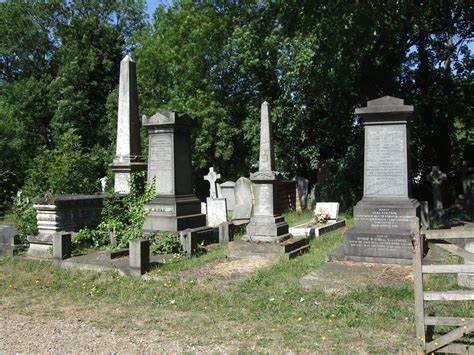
<point>24,334</point>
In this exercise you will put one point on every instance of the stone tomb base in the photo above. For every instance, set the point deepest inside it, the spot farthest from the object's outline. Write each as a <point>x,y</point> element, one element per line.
<point>381,232</point>
<point>287,249</point>
<point>174,213</point>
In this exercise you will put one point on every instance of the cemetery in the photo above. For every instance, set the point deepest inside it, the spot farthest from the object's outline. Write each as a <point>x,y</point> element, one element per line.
<point>225,177</point>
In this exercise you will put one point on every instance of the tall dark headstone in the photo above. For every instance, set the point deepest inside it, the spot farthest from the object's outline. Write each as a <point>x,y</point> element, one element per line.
<point>176,207</point>
<point>381,231</point>
<point>436,178</point>
<point>128,154</point>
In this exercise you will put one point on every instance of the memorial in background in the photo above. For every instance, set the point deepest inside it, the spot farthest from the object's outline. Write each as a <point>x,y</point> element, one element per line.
<point>128,156</point>
<point>381,231</point>
<point>176,207</point>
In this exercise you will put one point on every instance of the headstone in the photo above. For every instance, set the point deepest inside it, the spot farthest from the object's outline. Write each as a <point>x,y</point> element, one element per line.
<point>243,201</point>
<point>103,183</point>
<point>382,219</point>
<point>216,211</point>
<point>212,177</point>
<point>329,208</point>
<point>266,224</point>
<point>436,178</point>
<point>303,185</point>
<point>139,256</point>
<point>128,158</point>
<point>312,198</point>
<point>224,233</point>
<point>468,188</point>
<point>176,207</point>
<point>8,239</point>
<point>56,215</point>
<point>228,192</point>
<point>424,214</point>
<point>62,247</point>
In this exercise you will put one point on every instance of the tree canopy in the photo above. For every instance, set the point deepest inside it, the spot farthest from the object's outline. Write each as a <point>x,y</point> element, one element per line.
<point>314,61</point>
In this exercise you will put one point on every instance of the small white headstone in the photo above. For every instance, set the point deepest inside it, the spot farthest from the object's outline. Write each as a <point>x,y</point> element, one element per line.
<point>203,208</point>
<point>331,208</point>
<point>216,211</point>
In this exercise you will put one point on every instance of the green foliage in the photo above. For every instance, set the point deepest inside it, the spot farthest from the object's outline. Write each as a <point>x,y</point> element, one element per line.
<point>122,216</point>
<point>66,169</point>
<point>166,243</point>
<point>25,217</point>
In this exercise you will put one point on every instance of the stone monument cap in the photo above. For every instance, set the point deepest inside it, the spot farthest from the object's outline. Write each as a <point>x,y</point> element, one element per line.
<point>127,58</point>
<point>169,118</point>
<point>385,105</point>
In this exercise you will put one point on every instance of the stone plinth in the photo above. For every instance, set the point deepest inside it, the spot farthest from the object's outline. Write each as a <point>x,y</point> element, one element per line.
<point>62,214</point>
<point>176,207</point>
<point>128,158</point>
<point>382,219</point>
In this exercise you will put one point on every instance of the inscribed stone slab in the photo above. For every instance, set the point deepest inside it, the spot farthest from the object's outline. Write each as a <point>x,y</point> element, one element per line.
<point>385,161</point>
<point>243,199</point>
<point>216,211</point>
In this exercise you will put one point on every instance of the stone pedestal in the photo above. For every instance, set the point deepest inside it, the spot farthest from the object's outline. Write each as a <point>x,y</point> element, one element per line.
<point>128,158</point>
<point>57,215</point>
<point>267,232</point>
<point>382,219</point>
<point>176,207</point>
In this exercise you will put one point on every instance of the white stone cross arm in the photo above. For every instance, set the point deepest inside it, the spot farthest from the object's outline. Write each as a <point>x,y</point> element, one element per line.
<point>212,177</point>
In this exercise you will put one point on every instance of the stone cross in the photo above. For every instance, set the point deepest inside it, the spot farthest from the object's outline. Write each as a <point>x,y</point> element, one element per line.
<point>437,177</point>
<point>212,177</point>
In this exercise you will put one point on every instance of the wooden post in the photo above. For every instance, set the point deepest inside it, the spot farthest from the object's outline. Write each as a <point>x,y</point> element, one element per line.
<point>418,276</point>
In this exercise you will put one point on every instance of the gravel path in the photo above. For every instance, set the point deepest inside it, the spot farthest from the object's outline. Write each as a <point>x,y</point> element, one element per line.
<point>23,334</point>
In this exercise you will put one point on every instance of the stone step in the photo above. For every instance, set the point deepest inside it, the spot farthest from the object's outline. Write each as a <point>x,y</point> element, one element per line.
<point>287,249</point>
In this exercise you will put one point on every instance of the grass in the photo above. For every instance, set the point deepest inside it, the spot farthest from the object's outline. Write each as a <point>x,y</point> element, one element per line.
<point>269,312</point>
<point>295,218</point>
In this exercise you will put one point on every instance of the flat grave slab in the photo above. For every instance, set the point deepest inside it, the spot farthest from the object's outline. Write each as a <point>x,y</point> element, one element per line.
<point>313,231</point>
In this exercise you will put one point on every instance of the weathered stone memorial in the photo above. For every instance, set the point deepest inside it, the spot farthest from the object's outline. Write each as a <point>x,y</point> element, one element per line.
<point>227,191</point>
<point>243,201</point>
<point>216,207</point>
<point>330,211</point>
<point>176,207</point>
<point>9,240</point>
<point>381,231</point>
<point>302,185</point>
<point>57,215</point>
<point>267,232</point>
<point>128,158</point>
<point>436,178</point>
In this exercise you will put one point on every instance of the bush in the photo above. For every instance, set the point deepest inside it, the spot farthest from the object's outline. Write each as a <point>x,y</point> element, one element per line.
<point>165,243</point>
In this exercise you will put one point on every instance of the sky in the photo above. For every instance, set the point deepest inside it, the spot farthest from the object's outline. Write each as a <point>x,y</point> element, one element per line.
<point>153,4</point>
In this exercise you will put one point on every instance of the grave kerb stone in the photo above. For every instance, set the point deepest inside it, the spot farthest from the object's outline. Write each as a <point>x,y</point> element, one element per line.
<point>139,256</point>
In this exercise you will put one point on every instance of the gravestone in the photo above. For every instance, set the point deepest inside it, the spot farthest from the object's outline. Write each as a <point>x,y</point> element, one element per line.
<point>228,192</point>
<point>329,208</point>
<point>62,247</point>
<point>216,211</point>
<point>212,177</point>
<point>302,185</point>
<point>56,215</point>
<point>243,201</point>
<point>436,178</point>
<point>139,256</point>
<point>128,158</point>
<point>382,219</point>
<point>8,239</point>
<point>266,224</point>
<point>468,188</point>
<point>176,207</point>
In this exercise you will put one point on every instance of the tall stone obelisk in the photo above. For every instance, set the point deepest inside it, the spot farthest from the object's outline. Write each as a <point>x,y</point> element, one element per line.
<point>128,158</point>
<point>267,224</point>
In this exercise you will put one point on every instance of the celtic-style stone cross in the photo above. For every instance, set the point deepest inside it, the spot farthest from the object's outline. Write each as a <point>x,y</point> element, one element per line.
<point>212,177</point>
<point>437,177</point>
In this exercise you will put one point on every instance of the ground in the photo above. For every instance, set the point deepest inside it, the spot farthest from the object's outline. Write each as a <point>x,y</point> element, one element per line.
<point>46,308</point>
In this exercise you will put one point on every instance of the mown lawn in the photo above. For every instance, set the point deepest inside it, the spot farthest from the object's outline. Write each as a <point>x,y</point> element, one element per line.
<point>268,311</point>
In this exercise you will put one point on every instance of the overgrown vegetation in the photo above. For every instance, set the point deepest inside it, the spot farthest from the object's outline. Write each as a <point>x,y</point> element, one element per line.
<point>122,217</point>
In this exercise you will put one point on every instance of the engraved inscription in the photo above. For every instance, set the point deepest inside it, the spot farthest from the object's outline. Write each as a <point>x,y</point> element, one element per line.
<point>384,218</point>
<point>385,161</point>
<point>162,210</point>
<point>160,162</point>
<point>380,242</point>
<point>264,200</point>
